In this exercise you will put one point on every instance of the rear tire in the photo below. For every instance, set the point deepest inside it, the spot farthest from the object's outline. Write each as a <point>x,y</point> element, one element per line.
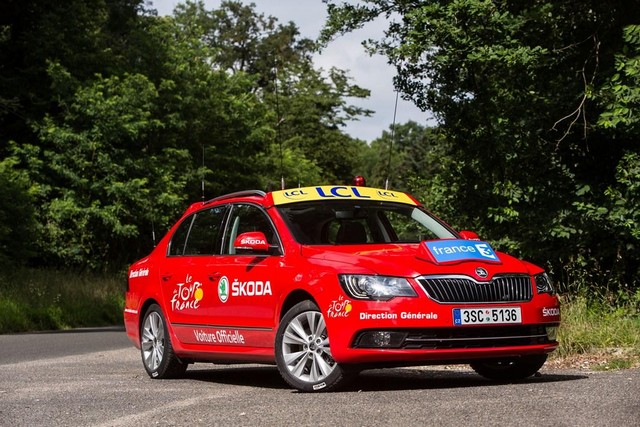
<point>302,351</point>
<point>158,357</point>
<point>512,369</point>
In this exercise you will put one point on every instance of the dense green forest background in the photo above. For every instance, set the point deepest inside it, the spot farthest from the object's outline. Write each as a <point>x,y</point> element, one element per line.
<point>110,117</point>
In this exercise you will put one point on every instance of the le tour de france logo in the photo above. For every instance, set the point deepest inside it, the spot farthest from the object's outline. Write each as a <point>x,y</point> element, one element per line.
<point>187,295</point>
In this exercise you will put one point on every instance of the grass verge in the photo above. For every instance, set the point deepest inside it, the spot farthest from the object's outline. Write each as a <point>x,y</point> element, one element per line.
<point>40,300</point>
<point>597,335</point>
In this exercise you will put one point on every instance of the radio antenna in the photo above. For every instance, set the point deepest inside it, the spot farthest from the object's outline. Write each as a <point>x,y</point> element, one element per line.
<point>202,180</point>
<point>278,136</point>
<point>393,137</point>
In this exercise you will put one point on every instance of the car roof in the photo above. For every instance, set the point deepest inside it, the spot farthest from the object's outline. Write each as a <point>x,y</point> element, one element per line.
<point>306,194</point>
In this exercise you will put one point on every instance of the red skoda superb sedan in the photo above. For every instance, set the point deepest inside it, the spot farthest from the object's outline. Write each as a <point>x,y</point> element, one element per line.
<point>327,281</point>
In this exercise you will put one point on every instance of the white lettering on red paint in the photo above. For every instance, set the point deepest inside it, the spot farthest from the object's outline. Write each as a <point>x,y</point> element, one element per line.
<point>339,308</point>
<point>187,296</point>
<point>141,272</point>
<point>250,288</point>
<point>219,337</point>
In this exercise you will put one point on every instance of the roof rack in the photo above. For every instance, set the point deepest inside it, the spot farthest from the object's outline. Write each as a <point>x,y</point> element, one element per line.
<point>245,193</point>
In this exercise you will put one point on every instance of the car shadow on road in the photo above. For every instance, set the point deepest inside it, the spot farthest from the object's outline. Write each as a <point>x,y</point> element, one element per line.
<point>243,375</point>
<point>370,380</point>
<point>434,379</point>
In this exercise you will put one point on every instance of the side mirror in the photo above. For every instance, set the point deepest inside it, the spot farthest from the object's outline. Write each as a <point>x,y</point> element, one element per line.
<point>469,235</point>
<point>252,241</point>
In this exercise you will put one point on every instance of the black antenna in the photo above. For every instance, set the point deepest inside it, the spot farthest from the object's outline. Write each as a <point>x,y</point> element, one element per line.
<point>280,120</point>
<point>393,137</point>
<point>153,233</point>
<point>202,180</point>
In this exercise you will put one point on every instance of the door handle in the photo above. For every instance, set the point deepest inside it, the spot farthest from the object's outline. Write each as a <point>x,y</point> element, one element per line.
<point>214,276</point>
<point>166,277</point>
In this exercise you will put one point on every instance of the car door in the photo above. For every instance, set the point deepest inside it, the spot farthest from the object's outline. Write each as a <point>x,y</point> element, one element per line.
<point>248,282</point>
<point>188,291</point>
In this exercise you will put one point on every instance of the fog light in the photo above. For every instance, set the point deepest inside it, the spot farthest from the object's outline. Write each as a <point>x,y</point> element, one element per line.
<point>552,333</point>
<point>380,339</point>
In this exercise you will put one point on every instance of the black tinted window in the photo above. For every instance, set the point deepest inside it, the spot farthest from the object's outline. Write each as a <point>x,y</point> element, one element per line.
<point>176,247</point>
<point>199,234</point>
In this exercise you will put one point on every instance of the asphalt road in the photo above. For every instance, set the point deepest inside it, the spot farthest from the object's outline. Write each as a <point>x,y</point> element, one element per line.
<point>95,378</point>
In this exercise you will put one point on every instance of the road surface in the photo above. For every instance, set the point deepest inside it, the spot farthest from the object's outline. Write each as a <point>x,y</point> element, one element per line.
<point>96,378</point>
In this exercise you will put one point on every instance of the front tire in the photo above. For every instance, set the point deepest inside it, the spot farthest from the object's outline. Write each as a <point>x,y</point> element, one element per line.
<point>158,357</point>
<point>513,369</point>
<point>302,351</point>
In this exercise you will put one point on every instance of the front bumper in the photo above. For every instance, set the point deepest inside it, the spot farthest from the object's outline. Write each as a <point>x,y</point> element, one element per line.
<point>419,330</point>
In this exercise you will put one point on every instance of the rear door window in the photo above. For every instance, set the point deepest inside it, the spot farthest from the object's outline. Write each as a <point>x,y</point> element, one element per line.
<point>199,234</point>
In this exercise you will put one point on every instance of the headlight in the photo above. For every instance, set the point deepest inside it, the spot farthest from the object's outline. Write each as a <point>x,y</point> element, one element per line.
<point>543,284</point>
<point>379,288</point>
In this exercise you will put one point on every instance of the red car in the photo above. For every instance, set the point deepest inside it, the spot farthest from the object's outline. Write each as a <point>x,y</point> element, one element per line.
<point>327,281</point>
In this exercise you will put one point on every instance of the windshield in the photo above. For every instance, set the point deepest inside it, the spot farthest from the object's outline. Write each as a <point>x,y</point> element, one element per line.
<point>357,222</point>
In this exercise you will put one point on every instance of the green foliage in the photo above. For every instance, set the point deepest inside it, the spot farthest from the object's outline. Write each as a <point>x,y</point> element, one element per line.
<point>84,36</point>
<point>614,222</point>
<point>621,92</point>
<point>405,152</point>
<point>534,162</point>
<point>120,115</point>
<point>277,162</point>
<point>17,215</point>
<point>38,300</point>
<point>312,110</point>
<point>246,41</point>
<point>97,178</point>
<point>307,106</point>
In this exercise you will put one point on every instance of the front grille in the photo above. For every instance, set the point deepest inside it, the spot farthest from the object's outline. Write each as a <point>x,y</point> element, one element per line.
<point>464,289</point>
<point>467,337</point>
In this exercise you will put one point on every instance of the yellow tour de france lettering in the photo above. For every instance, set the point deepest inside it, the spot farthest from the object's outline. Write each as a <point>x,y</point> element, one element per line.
<point>338,192</point>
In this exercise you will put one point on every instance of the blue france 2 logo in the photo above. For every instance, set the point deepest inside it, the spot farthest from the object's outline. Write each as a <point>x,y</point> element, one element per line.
<point>485,251</point>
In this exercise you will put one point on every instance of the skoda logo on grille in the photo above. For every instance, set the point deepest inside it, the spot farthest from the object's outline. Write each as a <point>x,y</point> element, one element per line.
<point>481,272</point>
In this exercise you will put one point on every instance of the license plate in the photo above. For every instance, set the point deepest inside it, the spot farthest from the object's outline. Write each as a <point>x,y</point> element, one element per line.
<point>486,316</point>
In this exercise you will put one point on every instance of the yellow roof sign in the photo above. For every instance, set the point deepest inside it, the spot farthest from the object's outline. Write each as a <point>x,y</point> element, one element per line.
<point>339,192</point>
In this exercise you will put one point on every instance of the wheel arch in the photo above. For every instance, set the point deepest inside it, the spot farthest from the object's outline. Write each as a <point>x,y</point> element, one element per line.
<point>143,311</point>
<point>294,298</point>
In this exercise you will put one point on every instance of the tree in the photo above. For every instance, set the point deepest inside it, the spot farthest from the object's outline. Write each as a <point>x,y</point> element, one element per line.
<point>308,106</point>
<point>113,119</point>
<point>313,109</point>
<point>616,210</point>
<point>17,216</point>
<point>121,153</point>
<point>512,86</point>
<point>401,154</point>
<point>95,176</point>
<point>84,36</point>
<point>621,93</point>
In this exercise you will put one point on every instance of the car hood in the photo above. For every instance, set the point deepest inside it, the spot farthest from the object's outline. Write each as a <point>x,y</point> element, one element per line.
<point>407,260</point>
